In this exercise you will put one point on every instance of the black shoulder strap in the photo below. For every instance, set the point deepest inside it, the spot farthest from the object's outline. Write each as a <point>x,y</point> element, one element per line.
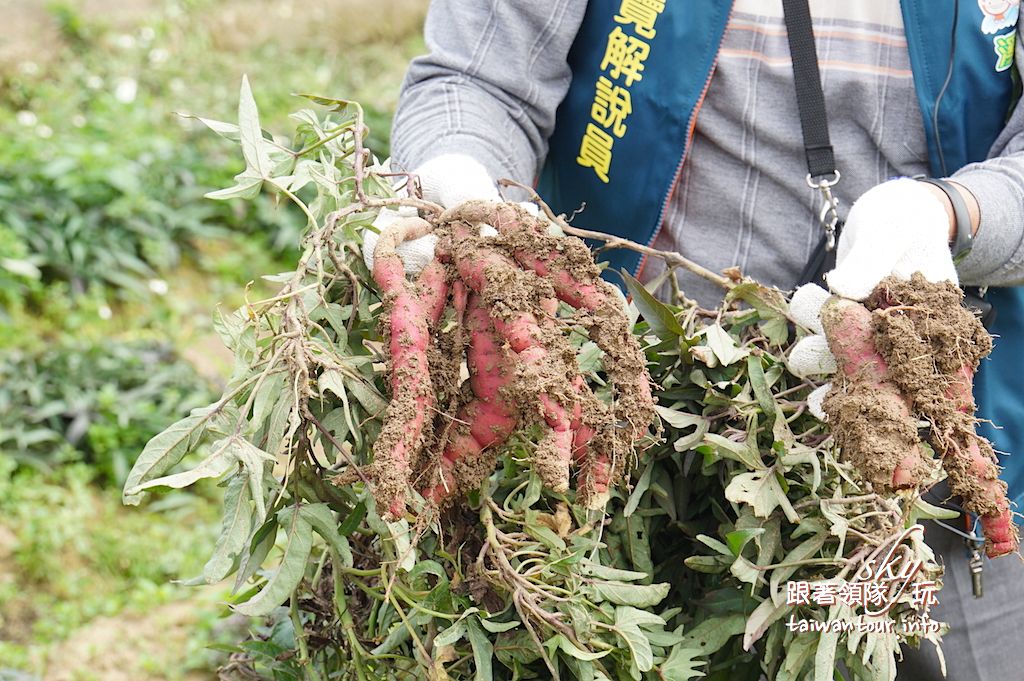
<point>809,98</point>
<point>810,102</point>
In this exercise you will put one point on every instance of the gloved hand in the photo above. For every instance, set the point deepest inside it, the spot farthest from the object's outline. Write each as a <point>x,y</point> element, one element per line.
<point>449,179</point>
<point>898,227</point>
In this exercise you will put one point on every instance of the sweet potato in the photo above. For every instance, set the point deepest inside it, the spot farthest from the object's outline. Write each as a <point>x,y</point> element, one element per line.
<point>870,417</point>
<point>412,400</point>
<point>487,419</point>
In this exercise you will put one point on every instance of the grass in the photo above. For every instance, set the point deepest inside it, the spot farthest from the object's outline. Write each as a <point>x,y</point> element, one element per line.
<point>86,585</point>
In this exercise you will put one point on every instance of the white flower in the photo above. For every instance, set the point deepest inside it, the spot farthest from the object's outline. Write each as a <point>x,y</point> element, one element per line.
<point>26,118</point>
<point>125,90</point>
<point>94,82</point>
<point>158,286</point>
<point>105,312</point>
<point>146,34</point>
<point>158,55</point>
<point>125,41</point>
<point>44,131</point>
<point>78,120</point>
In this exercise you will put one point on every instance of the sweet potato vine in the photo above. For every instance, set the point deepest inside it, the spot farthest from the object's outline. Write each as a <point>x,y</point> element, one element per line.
<point>512,390</point>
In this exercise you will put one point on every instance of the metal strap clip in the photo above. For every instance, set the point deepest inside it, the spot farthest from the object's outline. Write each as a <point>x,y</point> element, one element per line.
<point>829,214</point>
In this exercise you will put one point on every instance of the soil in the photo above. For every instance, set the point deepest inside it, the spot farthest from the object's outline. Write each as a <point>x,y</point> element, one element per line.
<point>933,346</point>
<point>130,647</point>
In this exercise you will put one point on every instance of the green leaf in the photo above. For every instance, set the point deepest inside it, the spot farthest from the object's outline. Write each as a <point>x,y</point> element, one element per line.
<point>544,534</point>
<point>770,305</point>
<point>638,544</point>
<point>745,452</point>
<point>220,461</point>
<point>591,569</point>
<point>923,510</point>
<point>401,542</point>
<point>639,646</point>
<point>262,542</point>
<point>245,188</point>
<point>566,646</point>
<point>164,451</point>
<point>825,656</point>
<point>331,103</point>
<point>737,539</point>
<point>625,614</point>
<point>682,421</point>
<point>762,491</point>
<point>707,564</point>
<point>805,550</point>
<point>373,402</point>
<point>250,134</point>
<point>234,533</point>
<point>798,654</point>
<point>267,397</point>
<point>723,345</point>
<point>636,595</point>
<point>658,316</point>
<point>764,615</point>
<point>715,545</point>
<point>641,486</point>
<point>745,571</point>
<point>256,462</point>
<point>483,650</point>
<point>351,522</point>
<point>322,520</point>
<point>286,578</point>
<point>499,627</point>
<point>710,635</point>
<point>451,635</point>
<point>681,665</point>
<point>226,130</point>
<point>759,383</point>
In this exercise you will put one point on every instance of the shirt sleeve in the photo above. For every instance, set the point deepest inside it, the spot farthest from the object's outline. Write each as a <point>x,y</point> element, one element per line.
<point>997,255</point>
<point>495,74</point>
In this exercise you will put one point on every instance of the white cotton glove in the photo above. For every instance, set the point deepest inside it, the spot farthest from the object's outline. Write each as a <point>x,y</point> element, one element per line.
<point>416,254</point>
<point>451,179</point>
<point>899,227</point>
<point>811,356</point>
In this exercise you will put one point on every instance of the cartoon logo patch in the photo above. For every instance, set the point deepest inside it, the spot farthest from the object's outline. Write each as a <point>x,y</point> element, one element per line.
<point>1003,45</point>
<point>999,14</point>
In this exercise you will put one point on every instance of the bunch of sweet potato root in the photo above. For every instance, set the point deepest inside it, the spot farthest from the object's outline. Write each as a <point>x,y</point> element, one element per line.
<point>907,359</point>
<point>504,307</point>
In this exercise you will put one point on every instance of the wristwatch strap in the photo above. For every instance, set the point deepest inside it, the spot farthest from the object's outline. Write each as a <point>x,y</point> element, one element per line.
<point>964,239</point>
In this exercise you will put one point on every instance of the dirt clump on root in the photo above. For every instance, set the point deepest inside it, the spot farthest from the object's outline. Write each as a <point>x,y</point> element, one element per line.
<point>928,337</point>
<point>876,444</point>
<point>869,417</point>
<point>933,346</point>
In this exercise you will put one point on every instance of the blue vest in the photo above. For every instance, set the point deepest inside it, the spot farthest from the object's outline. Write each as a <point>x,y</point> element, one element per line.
<point>622,160</point>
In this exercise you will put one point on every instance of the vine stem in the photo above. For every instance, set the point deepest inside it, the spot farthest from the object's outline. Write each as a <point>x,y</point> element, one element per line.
<point>672,259</point>
<point>345,616</point>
